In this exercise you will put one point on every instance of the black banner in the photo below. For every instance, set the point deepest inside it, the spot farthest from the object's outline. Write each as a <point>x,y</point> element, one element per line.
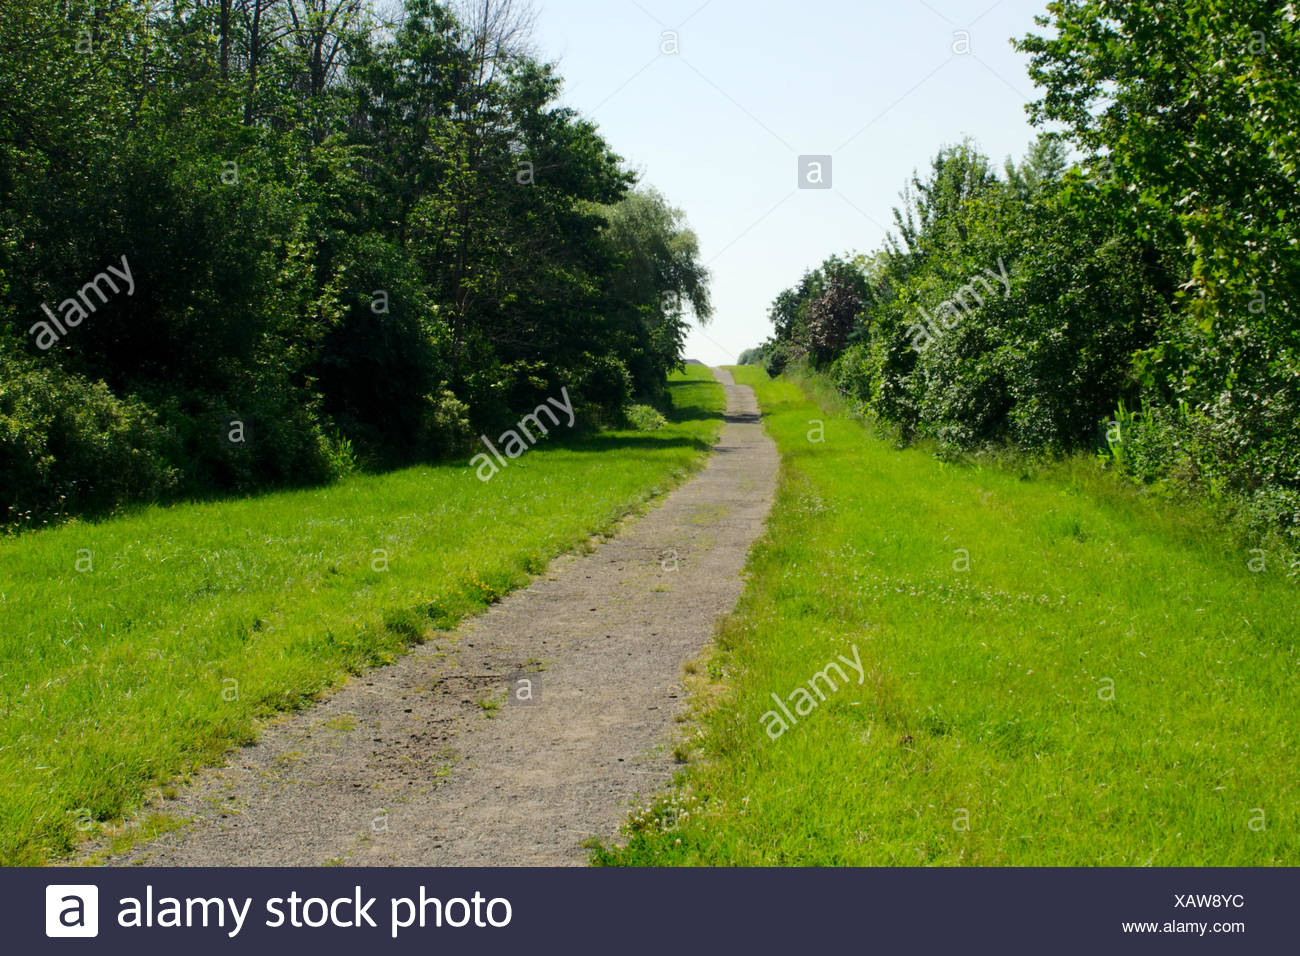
<point>163,910</point>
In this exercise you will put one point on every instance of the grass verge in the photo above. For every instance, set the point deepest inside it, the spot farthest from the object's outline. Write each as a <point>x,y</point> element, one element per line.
<point>140,648</point>
<point>1054,670</point>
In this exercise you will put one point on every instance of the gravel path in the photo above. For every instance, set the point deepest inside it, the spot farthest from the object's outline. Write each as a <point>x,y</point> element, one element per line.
<point>436,760</point>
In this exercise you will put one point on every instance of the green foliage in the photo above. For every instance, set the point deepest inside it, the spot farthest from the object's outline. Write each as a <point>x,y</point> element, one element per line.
<point>1017,703</point>
<point>341,458</point>
<point>658,277</point>
<point>1186,123</point>
<point>367,239</point>
<point>1159,273</point>
<point>606,385</point>
<point>645,418</point>
<point>821,314</point>
<point>445,429</point>
<point>57,429</point>
<point>1044,164</point>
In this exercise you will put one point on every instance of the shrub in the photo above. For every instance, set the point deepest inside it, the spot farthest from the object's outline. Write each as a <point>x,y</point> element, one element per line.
<point>445,425</point>
<point>856,373</point>
<point>606,384</point>
<point>779,357</point>
<point>644,418</point>
<point>69,445</point>
<point>378,367</point>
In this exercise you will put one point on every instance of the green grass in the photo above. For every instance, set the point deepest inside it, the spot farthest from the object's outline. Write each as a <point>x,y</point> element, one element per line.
<point>198,619</point>
<point>1108,683</point>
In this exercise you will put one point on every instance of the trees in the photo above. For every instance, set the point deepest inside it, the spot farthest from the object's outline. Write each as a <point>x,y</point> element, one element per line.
<point>830,317</point>
<point>934,209</point>
<point>1034,299</point>
<point>1186,116</point>
<point>819,315</point>
<point>1153,282</point>
<point>658,277</point>
<point>350,234</point>
<point>1044,164</point>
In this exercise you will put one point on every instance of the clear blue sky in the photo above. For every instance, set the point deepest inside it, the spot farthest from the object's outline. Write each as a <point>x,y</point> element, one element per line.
<point>718,127</point>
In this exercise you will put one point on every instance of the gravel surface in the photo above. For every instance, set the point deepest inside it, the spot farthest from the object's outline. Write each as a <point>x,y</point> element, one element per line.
<point>436,760</point>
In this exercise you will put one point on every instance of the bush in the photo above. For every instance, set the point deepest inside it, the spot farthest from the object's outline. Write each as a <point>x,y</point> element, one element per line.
<point>378,367</point>
<point>256,435</point>
<point>856,373</point>
<point>69,445</point>
<point>644,418</point>
<point>445,425</point>
<point>340,457</point>
<point>317,261</point>
<point>779,356</point>
<point>606,384</point>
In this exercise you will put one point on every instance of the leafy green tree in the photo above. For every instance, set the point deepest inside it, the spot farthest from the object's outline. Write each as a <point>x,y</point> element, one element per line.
<point>657,278</point>
<point>1044,165</point>
<point>361,236</point>
<point>1185,113</point>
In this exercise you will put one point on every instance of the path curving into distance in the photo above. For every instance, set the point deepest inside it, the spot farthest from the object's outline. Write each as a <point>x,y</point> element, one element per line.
<point>405,766</point>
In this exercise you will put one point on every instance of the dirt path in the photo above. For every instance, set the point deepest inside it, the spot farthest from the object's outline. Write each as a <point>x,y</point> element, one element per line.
<point>427,762</point>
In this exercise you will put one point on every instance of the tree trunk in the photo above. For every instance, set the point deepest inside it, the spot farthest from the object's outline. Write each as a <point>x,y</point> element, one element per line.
<point>224,27</point>
<point>254,39</point>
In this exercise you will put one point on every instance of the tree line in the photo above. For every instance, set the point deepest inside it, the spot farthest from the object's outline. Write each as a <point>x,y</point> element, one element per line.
<point>354,239</point>
<point>1151,255</point>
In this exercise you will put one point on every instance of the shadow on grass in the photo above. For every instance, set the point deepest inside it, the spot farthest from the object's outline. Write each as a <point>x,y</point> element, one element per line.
<point>686,411</point>
<point>677,411</point>
<point>623,441</point>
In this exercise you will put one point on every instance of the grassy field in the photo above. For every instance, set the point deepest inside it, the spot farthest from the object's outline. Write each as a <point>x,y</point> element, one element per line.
<point>138,648</point>
<point>1039,668</point>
